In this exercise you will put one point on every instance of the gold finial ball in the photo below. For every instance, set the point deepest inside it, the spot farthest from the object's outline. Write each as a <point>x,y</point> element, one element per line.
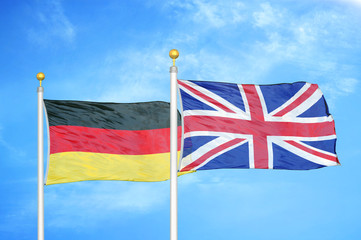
<point>40,76</point>
<point>173,53</point>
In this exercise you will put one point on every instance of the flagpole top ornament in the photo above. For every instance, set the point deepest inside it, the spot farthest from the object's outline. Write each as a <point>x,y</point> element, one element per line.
<point>173,54</point>
<point>40,76</point>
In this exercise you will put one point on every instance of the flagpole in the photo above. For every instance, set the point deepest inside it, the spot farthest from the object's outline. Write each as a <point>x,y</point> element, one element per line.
<point>40,76</point>
<point>173,148</point>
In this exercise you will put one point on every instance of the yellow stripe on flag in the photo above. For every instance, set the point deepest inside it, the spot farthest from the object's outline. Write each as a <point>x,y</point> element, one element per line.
<point>82,166</point>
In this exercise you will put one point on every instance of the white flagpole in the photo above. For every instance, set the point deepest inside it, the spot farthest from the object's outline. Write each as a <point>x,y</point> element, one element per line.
<point>173,148</point>
<point>40,76</point>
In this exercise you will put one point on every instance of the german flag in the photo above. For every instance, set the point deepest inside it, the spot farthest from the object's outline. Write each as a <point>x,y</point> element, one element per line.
<point>108,141</point>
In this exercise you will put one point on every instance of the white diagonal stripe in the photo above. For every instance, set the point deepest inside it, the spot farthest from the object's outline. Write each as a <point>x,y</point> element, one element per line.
<point>202,150</point>
<point>305,105</point>
<point>220,153</point>
<point>292,99</point>
<point>261,98</point>
<point>210,94</point>
<point>315,149</point>
<point>205,149</point>
<point>200,99</point>
<point>310,157</point>
<point>245,101</point>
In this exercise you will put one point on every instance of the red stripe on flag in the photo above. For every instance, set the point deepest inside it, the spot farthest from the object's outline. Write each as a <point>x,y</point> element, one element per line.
<point>209,154</point>
<point>254,102</point>
<point>316,153</point>
<point>97,140</point>
<point>256,128</point>
<point>308,93</point>
<point>260,148</point>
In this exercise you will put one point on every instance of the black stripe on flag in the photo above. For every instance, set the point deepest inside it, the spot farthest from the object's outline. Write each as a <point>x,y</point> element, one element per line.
<point>120,116</point>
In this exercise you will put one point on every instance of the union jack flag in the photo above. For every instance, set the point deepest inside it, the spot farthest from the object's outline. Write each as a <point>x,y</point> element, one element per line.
<point>280,126</point>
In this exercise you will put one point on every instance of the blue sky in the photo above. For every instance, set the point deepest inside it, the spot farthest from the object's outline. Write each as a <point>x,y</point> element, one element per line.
<point>118,51</point>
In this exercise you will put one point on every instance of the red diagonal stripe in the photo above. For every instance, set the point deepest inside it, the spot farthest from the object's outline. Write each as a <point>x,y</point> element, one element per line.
<point>205,97</point>
<point>308,93</point>
<point>309,150</point>
<point>212,152</point>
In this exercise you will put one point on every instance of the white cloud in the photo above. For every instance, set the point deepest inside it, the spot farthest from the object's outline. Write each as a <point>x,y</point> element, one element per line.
<point>336,88</point>
<point>135,76</point>
<point>348,85</point>
<point>210,188</point>
<point>215,14</point>
<point>19,219</point>
<point>188,180</point>
<point>352,2</point>
<point>306,41</point>
<point>268,16</point>
<point>52,24</point>
<point>14,151</point>
<point>85,204</point>
<point>311,41</point>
